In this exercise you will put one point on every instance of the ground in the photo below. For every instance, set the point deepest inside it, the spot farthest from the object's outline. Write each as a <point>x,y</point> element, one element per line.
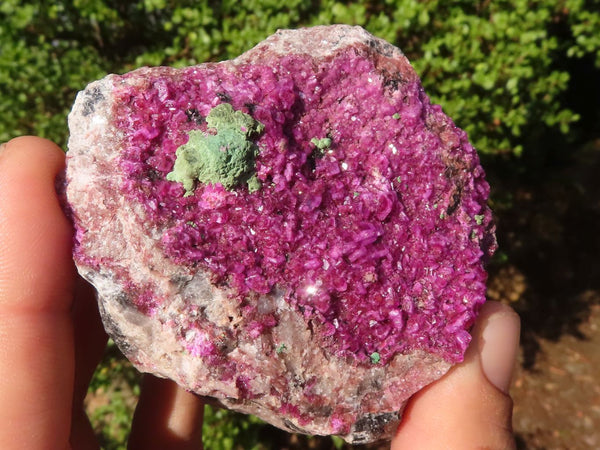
<point>548,270</point>
<point>557,400</point>
<point>552,278</point>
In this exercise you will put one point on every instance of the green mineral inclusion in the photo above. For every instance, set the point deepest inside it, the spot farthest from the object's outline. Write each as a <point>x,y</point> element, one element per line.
<point>223,154</point>
<point>281,348</point>
<point>321,144</point>
<point>375,358</point>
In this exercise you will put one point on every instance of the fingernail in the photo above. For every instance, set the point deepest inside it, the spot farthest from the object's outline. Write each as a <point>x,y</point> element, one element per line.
<point>498,348</point>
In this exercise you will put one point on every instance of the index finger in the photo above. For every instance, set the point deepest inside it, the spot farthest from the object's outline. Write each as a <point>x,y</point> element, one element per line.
<point>36,283</point>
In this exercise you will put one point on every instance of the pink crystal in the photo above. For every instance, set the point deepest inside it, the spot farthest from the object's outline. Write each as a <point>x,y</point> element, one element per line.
<point>372,245</point>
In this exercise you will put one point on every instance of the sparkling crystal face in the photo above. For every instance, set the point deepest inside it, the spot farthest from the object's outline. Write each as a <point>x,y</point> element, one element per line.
<point>370,216</point>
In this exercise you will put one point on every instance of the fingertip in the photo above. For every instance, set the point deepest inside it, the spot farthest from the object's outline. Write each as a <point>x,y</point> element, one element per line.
<point>492,308</point>
<point>36,148</point>
<point>35,235</point>
<point>497,335</point>
<point>469,406</point>
<point>33,141</point>
<point>167,416</point>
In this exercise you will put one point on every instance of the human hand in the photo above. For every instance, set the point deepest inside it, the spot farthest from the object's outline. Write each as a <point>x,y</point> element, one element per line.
<point>51,336</point>
<point>52,339</point>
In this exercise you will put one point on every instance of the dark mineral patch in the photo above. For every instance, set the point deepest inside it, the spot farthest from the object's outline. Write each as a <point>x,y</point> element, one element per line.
<point>93,96</point>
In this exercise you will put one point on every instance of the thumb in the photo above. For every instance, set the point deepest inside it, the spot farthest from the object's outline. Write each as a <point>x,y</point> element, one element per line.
<point>469,407</point>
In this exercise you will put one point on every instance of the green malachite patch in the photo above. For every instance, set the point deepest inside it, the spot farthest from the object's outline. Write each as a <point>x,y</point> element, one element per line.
<point>226,157</point>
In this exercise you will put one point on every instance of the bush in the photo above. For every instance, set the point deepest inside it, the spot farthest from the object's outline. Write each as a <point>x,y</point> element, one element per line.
<point>492,65</point>
<point>112,396</point>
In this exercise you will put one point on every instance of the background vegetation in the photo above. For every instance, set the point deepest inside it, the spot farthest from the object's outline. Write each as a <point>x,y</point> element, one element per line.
<point>522,77</point>
<point>500,68</point>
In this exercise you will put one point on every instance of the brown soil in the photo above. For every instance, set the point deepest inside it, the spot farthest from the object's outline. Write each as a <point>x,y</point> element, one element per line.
<point>550,235</point>
<point>557,400</point>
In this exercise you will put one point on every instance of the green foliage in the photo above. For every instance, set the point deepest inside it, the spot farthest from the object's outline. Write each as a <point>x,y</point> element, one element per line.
<point>491,65</point>
<point>584,20</point>
<point>338,442</point>
<point>112,421</point>
<point>226,430</point>
<point>112,396</point>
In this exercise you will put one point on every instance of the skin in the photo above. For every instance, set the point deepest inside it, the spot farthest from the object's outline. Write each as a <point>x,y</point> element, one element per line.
<point>51,340</point>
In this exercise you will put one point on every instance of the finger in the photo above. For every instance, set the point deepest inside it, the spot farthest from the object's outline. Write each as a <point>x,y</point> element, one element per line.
<point>90,341</point>
<point>166,417</point>
<point>36,281</point>
<point>470,406</point>
<point>90,337</point>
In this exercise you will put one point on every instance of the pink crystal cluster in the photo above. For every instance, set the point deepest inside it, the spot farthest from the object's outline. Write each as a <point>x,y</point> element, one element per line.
<point>377,239</point>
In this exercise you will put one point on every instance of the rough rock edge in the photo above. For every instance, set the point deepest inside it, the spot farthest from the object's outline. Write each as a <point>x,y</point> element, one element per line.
<point>134,332</point>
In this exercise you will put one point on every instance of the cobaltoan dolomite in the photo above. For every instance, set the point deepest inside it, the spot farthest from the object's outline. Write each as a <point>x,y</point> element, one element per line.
<point>324,265</point>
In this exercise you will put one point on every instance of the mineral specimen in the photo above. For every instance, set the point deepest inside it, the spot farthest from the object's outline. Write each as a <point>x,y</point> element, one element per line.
<point>297,233</point>
<point>224,157</point>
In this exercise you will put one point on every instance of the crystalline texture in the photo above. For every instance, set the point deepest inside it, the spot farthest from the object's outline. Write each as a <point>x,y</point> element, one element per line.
<point>320,300</point>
